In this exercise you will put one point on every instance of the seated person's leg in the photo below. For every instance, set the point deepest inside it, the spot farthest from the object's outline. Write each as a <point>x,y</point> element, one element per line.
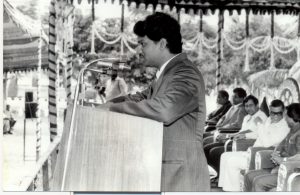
<point>250,176</point>
<point>208,140</point>
<point>215,157</point>
<point>12,122</point>
<point>231,164</point>
<point>6,126</point>
<point>264,183</point>
<point>208,147</point>
<point>209,128</point>
<point>208,134</point>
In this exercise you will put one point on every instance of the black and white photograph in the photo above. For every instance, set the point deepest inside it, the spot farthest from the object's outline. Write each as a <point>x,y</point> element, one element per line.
<point>150,97</point>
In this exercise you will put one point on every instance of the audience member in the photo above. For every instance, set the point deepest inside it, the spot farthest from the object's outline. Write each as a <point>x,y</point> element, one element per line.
<point>234,116</point>
<point>8,121</point>
<point>115,86</point>
<point>224,106</point>
<point>269,134</point>
<point>287,150</point>
<point>252,120</point>
<point>232,120</point>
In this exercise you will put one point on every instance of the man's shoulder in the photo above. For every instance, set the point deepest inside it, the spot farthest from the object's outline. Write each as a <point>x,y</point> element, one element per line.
<point>260,114</point>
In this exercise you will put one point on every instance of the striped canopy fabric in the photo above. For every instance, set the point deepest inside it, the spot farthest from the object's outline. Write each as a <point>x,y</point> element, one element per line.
<point>20,41</point>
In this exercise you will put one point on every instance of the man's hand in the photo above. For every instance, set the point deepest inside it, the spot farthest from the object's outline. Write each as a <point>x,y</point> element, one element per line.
<point>276,158</point>
<point>105,106</point>
<point>221,137</point>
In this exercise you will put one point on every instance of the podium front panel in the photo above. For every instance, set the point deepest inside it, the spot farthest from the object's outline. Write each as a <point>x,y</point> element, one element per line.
<point>109,152</point>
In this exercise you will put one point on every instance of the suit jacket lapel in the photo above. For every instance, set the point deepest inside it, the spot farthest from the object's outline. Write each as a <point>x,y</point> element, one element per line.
<point>156,86</point>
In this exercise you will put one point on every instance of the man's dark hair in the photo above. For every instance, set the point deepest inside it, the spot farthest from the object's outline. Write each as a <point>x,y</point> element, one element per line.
<point>240,92</point>
<point>277,103</point>
<point>160,25</point>
<point>293,111</point>
<point>251,97</point>
<point>223,93</point>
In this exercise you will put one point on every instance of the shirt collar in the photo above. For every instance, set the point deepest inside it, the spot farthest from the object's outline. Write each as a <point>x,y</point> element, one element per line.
<point>159,71</point>
<point>236,106</point>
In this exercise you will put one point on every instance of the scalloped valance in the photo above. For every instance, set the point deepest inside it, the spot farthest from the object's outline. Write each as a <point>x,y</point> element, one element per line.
<point>291,7</point>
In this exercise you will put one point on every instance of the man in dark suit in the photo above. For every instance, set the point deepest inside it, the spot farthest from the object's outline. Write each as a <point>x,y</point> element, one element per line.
<point>214,116</point>
<point>176,98</point>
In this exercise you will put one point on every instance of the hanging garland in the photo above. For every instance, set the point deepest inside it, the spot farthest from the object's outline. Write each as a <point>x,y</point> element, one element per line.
<point>193,47</point>
<point>121,37</point>
<point>199,41</point>
<point>266,42</point>
<point>283,45</point>
<point>231,43</point>
<point>105,41</point>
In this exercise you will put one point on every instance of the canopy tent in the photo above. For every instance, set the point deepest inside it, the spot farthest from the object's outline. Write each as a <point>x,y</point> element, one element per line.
<point>61,17</point>
<point>20,41</point>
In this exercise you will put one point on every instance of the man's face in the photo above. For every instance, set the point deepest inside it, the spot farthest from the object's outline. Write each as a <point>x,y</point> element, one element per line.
<point>236,99</point>
<point>276,114</point>
<point>221,100</point>
<point>149,51</point>
<point>250,107</point>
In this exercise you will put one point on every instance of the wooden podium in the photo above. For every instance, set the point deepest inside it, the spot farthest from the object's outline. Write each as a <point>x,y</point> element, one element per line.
<point>109,152</point>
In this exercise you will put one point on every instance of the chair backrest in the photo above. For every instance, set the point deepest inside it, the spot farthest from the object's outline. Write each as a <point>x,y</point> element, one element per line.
<point>264,106</point>
<point>242,144</point>
<point>263,159</point>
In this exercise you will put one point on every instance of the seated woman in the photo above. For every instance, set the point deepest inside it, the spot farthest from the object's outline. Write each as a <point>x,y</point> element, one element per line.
<point>271,133</point>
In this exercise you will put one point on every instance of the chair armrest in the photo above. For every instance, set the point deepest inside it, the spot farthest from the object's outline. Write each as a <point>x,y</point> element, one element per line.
<point>227,144</point>
<point>224,130</point>
<point>293,183</point>
<point>211,122</point>
<point>284,172</point>
<point>218,132</point>
<point>263,159</point>
<point>242,144</point>
<point>251,156</point>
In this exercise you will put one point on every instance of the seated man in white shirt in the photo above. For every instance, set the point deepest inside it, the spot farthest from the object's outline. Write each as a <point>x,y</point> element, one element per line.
<point>253,118</point>
<point>269,134</point>
<point>115,86</point>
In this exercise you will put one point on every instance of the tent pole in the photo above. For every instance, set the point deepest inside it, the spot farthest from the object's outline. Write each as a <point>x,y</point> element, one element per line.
<point>219,51</point>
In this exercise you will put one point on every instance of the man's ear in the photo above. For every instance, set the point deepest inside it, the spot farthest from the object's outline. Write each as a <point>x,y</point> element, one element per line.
<point>163,43</point>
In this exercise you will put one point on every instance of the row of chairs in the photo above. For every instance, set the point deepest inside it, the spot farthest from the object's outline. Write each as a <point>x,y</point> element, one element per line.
<point>259,158</point>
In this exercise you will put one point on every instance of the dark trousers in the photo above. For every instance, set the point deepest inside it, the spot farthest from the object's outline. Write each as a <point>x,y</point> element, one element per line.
<point>208,134</point>
<point>213,154</point>
<point>260,180</point>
